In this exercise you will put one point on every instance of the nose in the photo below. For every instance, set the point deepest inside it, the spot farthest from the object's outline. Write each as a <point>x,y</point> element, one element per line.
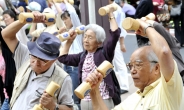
<point>133,71</point>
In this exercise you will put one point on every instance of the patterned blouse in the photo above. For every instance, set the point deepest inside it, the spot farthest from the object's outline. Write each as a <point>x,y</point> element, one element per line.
<point>2,72</point>
<point>88,67</point>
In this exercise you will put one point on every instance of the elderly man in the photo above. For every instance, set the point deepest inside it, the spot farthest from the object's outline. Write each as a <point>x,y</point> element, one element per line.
<point>154,72</point>
<point>36,69</point>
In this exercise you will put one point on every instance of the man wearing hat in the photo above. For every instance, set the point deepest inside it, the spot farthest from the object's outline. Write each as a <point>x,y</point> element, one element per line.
<point>36,69</point>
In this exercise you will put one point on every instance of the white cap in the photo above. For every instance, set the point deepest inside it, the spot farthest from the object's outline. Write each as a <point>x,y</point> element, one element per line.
<point>34,6</point>
<point>48,10</point>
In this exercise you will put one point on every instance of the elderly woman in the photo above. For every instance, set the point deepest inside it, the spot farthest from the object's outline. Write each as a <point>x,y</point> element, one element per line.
<point>93,56</point>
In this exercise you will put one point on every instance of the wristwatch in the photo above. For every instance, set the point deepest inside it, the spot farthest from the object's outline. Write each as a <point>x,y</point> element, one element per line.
<point>56,108</point>
<point>149,25</point>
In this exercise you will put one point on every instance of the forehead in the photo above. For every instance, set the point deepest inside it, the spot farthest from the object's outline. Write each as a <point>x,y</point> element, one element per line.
<point>139,54</point>
<point>6,15</point>
<point>90,32</point>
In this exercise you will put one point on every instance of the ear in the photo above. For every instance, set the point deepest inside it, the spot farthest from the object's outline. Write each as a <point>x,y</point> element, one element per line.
<point>157,68</point>
<point>99,44</point>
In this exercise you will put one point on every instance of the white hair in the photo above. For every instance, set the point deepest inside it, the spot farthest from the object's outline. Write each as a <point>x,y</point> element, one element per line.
<point>151,56</point>
<point>98,30</point>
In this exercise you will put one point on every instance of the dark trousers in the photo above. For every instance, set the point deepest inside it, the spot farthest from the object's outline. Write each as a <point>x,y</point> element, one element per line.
<point>177,28</point>
<point>73,72</point>
<point>141,41</point>
<point>182,26</point>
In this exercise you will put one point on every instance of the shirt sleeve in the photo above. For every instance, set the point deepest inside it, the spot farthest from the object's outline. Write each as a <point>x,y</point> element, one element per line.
<point>65,96</point>
<point>173,85</point>
<point>73,15</point>
<point>120,16</point>
<point>21,55</point>
<point>37,32</point>
<point>123,31</point>
<point>70,59</point>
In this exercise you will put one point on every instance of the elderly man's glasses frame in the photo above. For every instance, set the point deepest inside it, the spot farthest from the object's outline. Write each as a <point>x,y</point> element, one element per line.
<point>42,61</point>
<point>137,65</point>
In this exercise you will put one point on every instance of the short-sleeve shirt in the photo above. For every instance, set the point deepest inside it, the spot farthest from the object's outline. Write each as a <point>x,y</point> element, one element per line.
<point>160,95</point>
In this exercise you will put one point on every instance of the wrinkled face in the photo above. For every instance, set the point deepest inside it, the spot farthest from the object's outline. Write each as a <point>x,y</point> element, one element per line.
<point>90,42</point>
<point>39,65</point>
<point>7,19</point>
<point>68,23</point>
<point>139,67</point>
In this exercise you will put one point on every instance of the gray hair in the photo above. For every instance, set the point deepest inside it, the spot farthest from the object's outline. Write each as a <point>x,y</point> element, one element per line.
<point>151,56</point>
<point>98,30</point>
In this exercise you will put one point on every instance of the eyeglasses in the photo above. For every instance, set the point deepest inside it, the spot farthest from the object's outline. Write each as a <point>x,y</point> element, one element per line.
<point>137,65</point>
<point>42,61</point>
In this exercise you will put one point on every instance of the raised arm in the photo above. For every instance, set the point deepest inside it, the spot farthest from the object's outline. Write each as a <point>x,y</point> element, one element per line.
<point>73,15</point>
<point>65,49</point>
<point>9,33</point>
<point>110,45</point>
<point>97,100</point>
<point>160,47</point>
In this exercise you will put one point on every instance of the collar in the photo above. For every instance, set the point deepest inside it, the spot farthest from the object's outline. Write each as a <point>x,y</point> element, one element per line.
<point>148,88</point>
<point>48,73</point>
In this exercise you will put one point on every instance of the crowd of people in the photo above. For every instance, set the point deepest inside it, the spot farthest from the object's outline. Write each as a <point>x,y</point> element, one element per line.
<point>32,55</point>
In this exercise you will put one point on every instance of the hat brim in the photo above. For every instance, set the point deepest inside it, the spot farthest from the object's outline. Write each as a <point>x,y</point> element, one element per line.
<point>36,52</point>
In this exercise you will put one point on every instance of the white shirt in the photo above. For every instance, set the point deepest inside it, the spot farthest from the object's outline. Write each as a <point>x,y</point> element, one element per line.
<point>120,16</point>
<point>76,46</point>
<point>21,34</point>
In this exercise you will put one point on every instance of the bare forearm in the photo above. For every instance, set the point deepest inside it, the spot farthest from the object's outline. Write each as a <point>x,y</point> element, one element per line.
<point>113,23</point>
<point>163,52</point>
<point>97,100</point>
<point>11,30</point>
<point>121,40</point>
<point>33,28</point>
<point>65,49</point>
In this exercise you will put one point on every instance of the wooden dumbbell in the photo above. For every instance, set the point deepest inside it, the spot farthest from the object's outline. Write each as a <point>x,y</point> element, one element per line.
<point>150,16</point>
<point>21,9</point>
<point>132,24</point>
<point>51,89</point>
<point>69,1</point>
<point>83,89</point>
<point>29,17</point>
<point>66,35</point>
<point>80,29</point>
<point>106,9</point>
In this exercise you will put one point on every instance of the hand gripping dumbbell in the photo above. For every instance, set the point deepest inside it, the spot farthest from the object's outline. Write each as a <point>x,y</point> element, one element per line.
<point>132,24</point>
<point>51,89</point>
<point>83,89</point>
<point>69,1</point>
<point>106,9</point>
<point>29,17</point>
<point>66,35</point>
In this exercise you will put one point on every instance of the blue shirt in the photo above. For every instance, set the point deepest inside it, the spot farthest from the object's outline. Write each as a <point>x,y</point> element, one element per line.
<point>41,2</point>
